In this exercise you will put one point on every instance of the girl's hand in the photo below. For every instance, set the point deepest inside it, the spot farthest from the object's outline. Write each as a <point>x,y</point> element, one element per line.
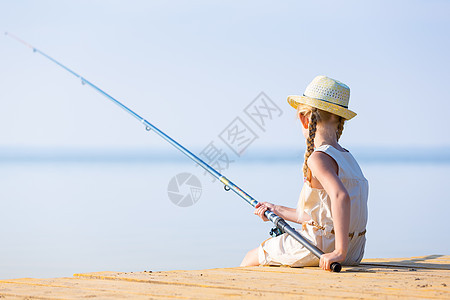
<point>328,258</point>
<point>261,207</point>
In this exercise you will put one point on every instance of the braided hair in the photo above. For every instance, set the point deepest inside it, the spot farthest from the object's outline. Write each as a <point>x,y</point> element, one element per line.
<point>312,127</point>
<point>315,117</point>
<point>340,128</point>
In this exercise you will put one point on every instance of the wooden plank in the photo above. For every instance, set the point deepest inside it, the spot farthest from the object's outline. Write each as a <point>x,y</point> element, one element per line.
<point>441,262</point>
<point>397,277</point>
<point>310,281</point>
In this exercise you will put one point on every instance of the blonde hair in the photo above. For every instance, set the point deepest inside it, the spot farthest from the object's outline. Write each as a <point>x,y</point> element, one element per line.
<point>316,116</point>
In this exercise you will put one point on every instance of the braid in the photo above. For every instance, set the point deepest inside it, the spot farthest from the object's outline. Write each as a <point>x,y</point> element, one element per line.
<point>310,141</point>
<point>340,127</point>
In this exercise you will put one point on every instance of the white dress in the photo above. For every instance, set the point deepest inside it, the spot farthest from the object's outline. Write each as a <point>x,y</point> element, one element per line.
<point>284,250</point>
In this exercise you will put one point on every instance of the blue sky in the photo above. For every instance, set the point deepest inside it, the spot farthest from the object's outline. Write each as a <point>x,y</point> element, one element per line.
<point>191,67</point>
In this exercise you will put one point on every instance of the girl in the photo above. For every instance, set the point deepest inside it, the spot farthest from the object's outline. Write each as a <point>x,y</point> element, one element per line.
<point>333,202</point>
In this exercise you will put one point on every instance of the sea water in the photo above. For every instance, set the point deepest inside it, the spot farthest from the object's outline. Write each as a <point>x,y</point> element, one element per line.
<point>63,217</point>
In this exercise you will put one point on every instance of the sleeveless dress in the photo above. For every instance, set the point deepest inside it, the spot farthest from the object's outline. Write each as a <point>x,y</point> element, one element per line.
<point>284,250</point>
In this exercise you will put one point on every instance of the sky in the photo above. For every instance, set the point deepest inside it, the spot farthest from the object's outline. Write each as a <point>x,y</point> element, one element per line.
<point>192,67</point>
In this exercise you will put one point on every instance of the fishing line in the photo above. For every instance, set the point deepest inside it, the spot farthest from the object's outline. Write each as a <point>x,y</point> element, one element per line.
<point>280,223</point>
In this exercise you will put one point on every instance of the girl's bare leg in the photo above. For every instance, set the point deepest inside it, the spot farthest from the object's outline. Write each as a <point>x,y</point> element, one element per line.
<point>251,259</point>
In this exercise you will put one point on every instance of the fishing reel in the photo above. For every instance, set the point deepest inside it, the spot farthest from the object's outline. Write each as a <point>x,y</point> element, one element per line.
<point>274,232</point>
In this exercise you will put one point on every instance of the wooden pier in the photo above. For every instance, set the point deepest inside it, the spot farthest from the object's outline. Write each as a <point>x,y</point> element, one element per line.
<point>415,277</point>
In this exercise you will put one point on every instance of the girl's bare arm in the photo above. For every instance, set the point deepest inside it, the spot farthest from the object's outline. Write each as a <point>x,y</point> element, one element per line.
<point>325,169</point>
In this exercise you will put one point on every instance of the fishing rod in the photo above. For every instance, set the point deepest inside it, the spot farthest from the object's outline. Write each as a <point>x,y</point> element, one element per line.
<point>279,222</point>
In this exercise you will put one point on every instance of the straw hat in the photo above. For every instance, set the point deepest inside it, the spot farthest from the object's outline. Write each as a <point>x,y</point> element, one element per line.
<point>326,94</point>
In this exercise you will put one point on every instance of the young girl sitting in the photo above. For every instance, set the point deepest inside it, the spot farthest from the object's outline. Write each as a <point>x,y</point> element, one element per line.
<point>333,202</point>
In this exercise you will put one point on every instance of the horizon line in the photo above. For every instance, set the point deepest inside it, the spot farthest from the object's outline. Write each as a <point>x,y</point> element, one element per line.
<point>141,154</point>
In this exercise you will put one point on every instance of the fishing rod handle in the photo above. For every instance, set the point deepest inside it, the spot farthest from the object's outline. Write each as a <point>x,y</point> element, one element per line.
<point>336,267</point>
